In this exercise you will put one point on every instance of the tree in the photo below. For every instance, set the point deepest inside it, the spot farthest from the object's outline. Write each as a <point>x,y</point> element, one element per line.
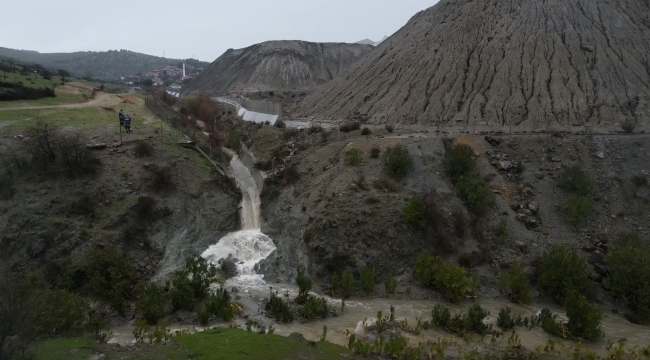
<point>63,74</point>
<point>168,82</point>
<point>146,82</point>
<point>514,283</point>
<point>629,264</point>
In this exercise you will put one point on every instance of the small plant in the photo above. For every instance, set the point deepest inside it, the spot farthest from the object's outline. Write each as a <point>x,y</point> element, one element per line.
<point>144,209</point>
<point>234,141</point>
<point>506,321</point>
<point>366,131</point>
<point>415,211</point>
<point>304,284</point>
<point>218,304</point>
<point>313,307</point>
<point>290,175</point>
<point>84,205</point>
<point>109,275</point>
<point>576,181</point>
<point>474,192</point>
<point>335,283</point>
<point>548,322</point>
<point>577,208</point>
<point>278,308</point>
<point>562,271</point>
<point>7,189</point>
<point>375,151</point>
<point>391,285</point>
<point>280,124</point>
<point>347,283</point>
<point>353,157</point>
<point>368,279</point>
<point>397,161</point>
<point>502,232</point>
<point>514,283</point>
<point>323,337</point>
<point>475,316</point>
<point>390,128</point>
<point>440,316</point>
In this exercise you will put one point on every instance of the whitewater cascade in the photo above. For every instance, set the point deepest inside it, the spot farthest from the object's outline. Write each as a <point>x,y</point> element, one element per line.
<point>248,246</point>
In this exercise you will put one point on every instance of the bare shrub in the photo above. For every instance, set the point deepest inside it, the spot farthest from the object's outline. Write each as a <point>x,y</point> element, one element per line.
<point>384,184</point>
<point>390,128</point>
<point>366,131</point>
<point>360,181</point>
<point>161,178</point>
<point>290,133</point>
<point>290,175</point>
<point>40,143</point>
<point>325,136</point>
<point>459,222</point>
<point>84,205</point>
<point>142,149</point>
<point>345,127</point>
<point>280,124</point>
<point>375,151</point>
<point>144,209</point>
<point>355,126</point>
<point>629,126</point>
<point>76,157</point>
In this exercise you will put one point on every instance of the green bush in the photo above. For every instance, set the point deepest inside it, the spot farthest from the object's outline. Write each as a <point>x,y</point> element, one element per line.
<point>347,283</point>
<point>577,207</point>
<point>458,161</point>
<point>314,306</point>
<point>304,284</point>
<point>109,275</point>
<point>506,321</point>
<point>375,151</point>
<point>584,318</point>
<point>460,323</point>
<point>514,283</point>
<point>629,266</point>
<point>7,190</point>
<point>474,192</point>
<point>151,302</point>
<point>390,285</point>
<point>58,311</point>
<point>335,283</point>
<point>279,309</point>
<point>415,211</point>
<point>182,295</point>
<point>218,304</point>
<point>501,231</point>
<point>562,271</point>
<point>353,157</point>
<point>440,316</point>
<point>397,161</point>
<point>576,181</point>
<point>368,279</point>
<point>450,279</point>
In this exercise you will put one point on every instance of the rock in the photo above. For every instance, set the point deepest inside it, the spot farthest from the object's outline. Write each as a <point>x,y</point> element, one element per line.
<point>234,290</point>
<point>588,48</point>
<point>596,257</point>
<point>533,207</point>
<point>494,141</point>
<point>600,155</point>
<point>602,238</point>
<point>527,192</point>
<point>504,165</point>
<point>97,146</point>
<point>520,245</point>
<point>588,248</point>
<point>601,269</point>
<point>354,187</point>
<point>539,176</point>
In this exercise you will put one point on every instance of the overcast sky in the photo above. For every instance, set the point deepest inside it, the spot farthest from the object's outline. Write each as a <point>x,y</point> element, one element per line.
<point>203,29</point>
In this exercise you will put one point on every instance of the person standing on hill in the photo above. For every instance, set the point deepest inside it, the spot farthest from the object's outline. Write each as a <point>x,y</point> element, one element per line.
<point>127,123</point>
<point>121,115</point>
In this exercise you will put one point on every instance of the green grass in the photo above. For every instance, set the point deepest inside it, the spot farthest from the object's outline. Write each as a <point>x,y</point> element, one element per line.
<point>62,97</point>
<point>222,343</point>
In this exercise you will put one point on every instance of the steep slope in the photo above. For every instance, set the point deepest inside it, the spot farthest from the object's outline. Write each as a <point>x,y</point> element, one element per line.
<point>104,65</point>
<point>278,65</point>
<point>535,62</point>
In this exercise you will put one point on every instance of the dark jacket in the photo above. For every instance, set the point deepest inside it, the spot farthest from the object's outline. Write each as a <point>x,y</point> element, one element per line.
<point>127,120</point>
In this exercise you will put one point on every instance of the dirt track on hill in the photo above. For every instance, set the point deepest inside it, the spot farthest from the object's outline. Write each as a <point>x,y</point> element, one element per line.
<point>100,99</point>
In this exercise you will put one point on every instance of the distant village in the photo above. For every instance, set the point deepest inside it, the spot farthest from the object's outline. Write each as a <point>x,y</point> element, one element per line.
<point>170,76</point>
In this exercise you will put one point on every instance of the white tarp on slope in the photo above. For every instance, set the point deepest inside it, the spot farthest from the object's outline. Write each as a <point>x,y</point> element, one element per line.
<point>256,117</point>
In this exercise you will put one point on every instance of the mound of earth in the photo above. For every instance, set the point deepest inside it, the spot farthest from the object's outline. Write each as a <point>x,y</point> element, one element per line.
<point>278,65</point>
<point>535,63</point>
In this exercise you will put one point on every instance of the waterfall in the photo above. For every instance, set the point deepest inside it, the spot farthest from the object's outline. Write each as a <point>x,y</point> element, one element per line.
<point>248,246</point>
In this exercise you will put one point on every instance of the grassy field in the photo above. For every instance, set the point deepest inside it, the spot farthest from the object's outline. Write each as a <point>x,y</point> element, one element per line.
<point>222,343</point>
<point>71,93</point>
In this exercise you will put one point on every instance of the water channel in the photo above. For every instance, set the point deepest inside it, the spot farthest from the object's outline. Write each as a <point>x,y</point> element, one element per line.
<point>250,246</point>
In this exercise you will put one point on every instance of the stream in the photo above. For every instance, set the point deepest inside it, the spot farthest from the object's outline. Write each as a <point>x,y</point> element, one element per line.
<point>250,246</point>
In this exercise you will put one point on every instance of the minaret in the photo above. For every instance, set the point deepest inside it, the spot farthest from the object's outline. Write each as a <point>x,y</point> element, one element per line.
<point>183,69</point>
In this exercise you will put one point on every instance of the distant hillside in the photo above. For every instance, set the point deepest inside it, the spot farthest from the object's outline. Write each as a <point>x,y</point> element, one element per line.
<point>104,65</point>
<point>278,65</point>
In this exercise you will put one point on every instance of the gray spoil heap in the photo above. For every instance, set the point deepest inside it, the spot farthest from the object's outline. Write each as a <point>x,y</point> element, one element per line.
<point>275,65</point>
<point>535,62</point>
